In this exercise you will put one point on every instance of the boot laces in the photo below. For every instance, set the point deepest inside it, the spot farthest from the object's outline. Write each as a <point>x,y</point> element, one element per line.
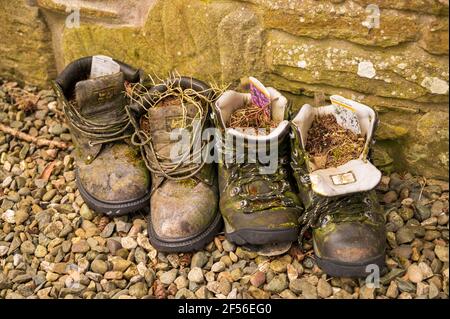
<point>95,131</point>
<point>193,158</point>
<point>322,209</point>
<point>244,174</point>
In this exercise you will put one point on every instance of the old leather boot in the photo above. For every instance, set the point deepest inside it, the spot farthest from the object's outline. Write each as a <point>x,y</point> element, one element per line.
<point>184,195</point>
<point>111,176</point>
<point>340,204</point>
<point>257,201</point>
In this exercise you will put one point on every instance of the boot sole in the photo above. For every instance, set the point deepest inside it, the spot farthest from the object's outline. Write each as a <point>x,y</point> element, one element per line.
<point>192,243</point>
<point>339,269</point>
<point>251,236</point>
<point>112,208</point>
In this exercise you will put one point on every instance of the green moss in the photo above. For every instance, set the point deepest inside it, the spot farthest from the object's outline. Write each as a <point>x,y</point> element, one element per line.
<point>390,132</point>
<point>287,225</point>
<point>132,154</point>
<point>26,52</point>
<point>323,231</point>
<point>190,182</point>
<point>381,157</point>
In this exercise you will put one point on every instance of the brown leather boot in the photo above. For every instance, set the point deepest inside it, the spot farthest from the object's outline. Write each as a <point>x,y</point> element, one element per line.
<point>184,200</point>
<point>341,207</point>
<point>258,203</point>
<point>111,176</point>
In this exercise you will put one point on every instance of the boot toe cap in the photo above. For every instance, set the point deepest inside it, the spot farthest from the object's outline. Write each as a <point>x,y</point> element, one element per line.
<point>350,243</point>
<point>116,175</point>
<point>179,212</point>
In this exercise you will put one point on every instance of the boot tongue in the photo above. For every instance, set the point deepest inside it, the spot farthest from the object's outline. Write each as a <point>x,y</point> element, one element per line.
<point>167,117</point>
<point>101,98</point>
<point>258,187</point>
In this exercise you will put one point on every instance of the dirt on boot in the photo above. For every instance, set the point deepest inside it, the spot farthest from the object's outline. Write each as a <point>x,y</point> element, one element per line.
<point>331,145</point>
<point>169,101</point>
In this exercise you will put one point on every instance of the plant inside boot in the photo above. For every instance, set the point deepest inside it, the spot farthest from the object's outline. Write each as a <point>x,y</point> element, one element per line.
<point>251,116</point>
<point>331,145</point>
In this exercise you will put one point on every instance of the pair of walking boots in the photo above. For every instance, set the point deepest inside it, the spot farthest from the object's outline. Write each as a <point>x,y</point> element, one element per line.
<point>337,203</point>
<point>123,150</point>
<point>154,150</point>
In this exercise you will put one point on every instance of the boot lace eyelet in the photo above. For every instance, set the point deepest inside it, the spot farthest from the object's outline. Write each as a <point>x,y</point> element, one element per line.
<point>305,179</point>
<point>235,191</point>
<point>325,220</point>
<point>367,201</point>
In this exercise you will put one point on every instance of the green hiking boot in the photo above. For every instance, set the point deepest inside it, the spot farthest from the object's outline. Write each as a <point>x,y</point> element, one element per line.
<point>257,200</point>
<point>184,196</point>
<point>341,207</point>
<point>111,176</point>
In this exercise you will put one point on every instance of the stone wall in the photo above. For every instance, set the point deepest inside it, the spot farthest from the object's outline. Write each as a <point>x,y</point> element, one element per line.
<point>25,43</point>
<point>399,67</point>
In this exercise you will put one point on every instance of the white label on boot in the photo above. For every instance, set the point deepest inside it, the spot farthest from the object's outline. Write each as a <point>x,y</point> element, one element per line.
<point>343,179</point>
<point>103,65</point>
<point>346,117</point>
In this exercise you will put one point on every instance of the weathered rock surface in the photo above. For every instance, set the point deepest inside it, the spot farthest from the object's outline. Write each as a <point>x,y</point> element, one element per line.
<point>399,66</point>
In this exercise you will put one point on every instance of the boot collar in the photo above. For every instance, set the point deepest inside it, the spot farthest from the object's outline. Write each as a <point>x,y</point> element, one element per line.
<point>357,175</point>
<point>367,119</point>
<point>78,72</point>
<point>231,101</point>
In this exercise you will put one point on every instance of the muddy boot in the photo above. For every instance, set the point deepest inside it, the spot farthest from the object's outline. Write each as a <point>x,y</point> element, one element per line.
<point>184,196</point>
<point>257,200</point>
<point>341,206</point>
<point>111,176</point>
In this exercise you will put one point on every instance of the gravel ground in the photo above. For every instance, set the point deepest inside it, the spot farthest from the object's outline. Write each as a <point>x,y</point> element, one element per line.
<point>53,246</point>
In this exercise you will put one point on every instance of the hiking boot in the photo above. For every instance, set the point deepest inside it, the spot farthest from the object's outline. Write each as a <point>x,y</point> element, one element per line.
<point>257,201</point>
<point>111,176</point>
<point>341,207</point>
<point>184,195</point>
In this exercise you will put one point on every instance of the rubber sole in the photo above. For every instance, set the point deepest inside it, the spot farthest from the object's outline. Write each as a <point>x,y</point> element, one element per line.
<point>270,250</point>
<point>338,269</point>
<point>249,236</point>
<point>195,242</point>
<point>112,209</point>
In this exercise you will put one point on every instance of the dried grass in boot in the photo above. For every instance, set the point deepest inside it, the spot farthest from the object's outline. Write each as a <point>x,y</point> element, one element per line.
<point>251,116</point>
<point>331,145</point>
